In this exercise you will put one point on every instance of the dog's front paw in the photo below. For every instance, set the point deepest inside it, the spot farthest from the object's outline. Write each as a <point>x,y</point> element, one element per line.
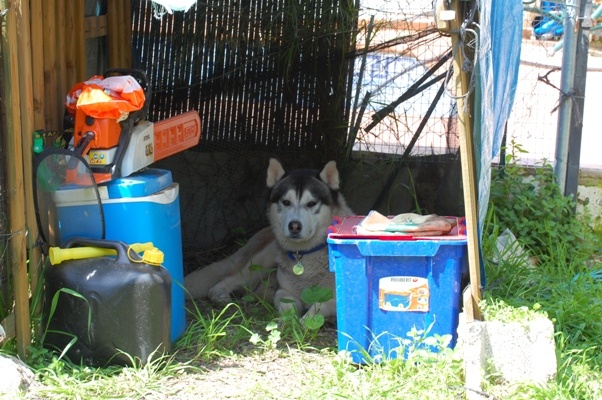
<point>219,295</point>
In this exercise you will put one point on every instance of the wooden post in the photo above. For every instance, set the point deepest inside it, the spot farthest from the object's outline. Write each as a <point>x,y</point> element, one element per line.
<point>70,38</point>
<point>119,22</point>
<point>50,65</point>
<point>126,34</point>
<point>28,127</point>
<point>37,63</point>
<point>465,123</point>
<point>15,191</point>
<point>79,39</point>
<point>38,121</point>
<point>61,62</point>
<point>112,34</point>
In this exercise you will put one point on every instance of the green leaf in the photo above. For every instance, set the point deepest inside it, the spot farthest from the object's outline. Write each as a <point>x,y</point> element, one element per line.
<point>256,268</point>
<point>272,325</point>
<point>316,294</point>
<point>274,337</point>
<point>248,298</point>
<point>255,338</point>
<point>315,322</point>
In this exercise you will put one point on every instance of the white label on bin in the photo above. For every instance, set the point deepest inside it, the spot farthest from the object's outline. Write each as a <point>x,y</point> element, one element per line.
<point>403,293</point>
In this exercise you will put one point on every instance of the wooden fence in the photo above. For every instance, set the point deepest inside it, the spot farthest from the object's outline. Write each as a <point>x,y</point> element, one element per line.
<point>44,55</point>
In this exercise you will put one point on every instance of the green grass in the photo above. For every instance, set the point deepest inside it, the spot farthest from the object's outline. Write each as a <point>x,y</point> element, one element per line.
<point>559,288</point>
<point>64,380</point>
<point>562,285</point>
<point>563,290</point>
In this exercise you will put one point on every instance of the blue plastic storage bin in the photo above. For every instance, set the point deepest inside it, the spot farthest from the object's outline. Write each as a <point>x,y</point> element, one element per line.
<point>143,207</point>
<point>385,288</point>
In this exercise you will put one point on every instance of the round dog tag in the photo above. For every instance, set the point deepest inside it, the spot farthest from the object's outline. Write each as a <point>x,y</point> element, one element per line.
<point>298,269</point>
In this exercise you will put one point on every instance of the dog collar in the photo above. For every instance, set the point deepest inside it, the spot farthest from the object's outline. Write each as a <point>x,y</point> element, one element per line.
<point>296,255</point>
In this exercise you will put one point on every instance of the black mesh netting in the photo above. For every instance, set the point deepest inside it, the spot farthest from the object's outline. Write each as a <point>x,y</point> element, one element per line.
<point>304,81</point>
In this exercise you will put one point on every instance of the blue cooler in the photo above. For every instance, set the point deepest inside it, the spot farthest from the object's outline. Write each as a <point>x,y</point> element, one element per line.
<point>143,207</point>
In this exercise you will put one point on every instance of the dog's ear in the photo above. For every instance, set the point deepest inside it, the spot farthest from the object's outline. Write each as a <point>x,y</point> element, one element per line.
<point>330,175</point>
<point>275,172</point>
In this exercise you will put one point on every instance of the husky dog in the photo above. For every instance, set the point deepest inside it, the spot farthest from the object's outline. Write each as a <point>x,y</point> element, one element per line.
<point>302,205</point>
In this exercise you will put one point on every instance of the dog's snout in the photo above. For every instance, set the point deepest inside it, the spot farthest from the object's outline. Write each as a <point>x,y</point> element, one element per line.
<point>295,227</point>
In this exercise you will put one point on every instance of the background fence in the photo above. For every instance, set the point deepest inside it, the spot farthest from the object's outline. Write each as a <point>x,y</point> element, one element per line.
<point>293,75</point>
<point>234,63</point>
<point>534,120</point>
<point>270,74</point>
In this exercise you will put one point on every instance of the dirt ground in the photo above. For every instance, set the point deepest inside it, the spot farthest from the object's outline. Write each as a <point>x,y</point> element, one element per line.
<point>274,374</point>
<point>253,372</point>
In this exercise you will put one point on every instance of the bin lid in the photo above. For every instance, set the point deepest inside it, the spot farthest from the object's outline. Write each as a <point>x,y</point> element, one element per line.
<point>140,184</point>
<point>345,229</point>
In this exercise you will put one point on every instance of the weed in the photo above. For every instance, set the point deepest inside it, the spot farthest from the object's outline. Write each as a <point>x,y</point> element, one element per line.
<point>560,285</point>
<point>314,296</point>
<point>423,374</point>
<point>540,216</point>
<point>63,379</point>
<point>215,335</point>
<point>498,310</point>
<point>272,339</point>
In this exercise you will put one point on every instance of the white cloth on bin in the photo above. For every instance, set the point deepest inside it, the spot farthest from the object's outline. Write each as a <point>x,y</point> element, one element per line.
<point>408,223</point>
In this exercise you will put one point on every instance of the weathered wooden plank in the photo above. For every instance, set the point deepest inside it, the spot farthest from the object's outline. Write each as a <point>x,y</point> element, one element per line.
<point>70,34</point>
<point>37,63</point>
<point>79,40</point>
<point>119,24</point>
<point>126,33</point>
<point>62,35</point>
<point>112,38</point>
<point>15,192</point>
<point>51,65</point>
<point>95,26</point>
<point>28,127</point>
<point>465,123</point>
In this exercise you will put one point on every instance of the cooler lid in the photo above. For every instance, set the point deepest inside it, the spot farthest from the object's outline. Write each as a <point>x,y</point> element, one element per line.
<point>140,184</point>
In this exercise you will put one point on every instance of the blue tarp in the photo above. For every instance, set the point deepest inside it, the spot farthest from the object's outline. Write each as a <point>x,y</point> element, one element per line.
<point>497,70</point>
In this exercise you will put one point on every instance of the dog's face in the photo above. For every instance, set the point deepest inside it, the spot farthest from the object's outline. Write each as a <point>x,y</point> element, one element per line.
<point>302,204</point>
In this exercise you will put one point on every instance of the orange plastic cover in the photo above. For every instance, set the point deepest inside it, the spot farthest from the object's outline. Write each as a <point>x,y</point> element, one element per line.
<point>175,134</point>
<point>112,97</point>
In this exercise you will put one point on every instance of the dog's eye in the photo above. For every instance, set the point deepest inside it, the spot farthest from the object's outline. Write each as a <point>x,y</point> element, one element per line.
<point>286,203</point>
<point>311,204</point>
